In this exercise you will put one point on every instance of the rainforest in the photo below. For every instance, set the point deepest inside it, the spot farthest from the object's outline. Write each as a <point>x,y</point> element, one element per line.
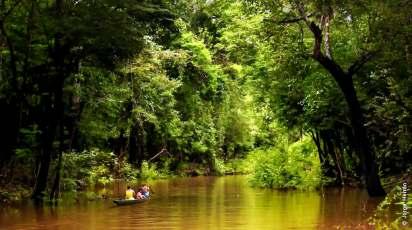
<point>206,101</point>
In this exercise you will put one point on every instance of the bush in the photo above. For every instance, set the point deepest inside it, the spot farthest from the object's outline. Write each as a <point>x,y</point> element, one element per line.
<point>237,166</point>
<point>218,165</point>
<point>164,167</point>
<point>96,167</point>
<point>296,166</point>
<point>128,172</point>
<point>87,168</point>
<point>148,171</point>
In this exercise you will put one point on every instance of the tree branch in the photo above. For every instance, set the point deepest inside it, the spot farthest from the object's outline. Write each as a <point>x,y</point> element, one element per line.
<point>326,42</point>
<point>162,151</point>
<point>358,64</point>
<point>294,20</point>
<point>7,13</point>
<point>317,32</point>
<point>327,62</point>
<point>302,12</point>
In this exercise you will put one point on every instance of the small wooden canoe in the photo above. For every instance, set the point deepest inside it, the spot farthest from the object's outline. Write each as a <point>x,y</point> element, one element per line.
<point>128,202</point>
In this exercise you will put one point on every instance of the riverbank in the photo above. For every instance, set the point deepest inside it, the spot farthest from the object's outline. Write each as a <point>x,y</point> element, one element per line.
<point>86,170</point>
<point>296,167</point>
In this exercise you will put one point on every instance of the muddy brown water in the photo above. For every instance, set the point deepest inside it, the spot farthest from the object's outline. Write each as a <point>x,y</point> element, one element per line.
<point>204,203</point>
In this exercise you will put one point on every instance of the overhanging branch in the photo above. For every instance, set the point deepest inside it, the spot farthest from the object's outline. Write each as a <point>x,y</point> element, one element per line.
<point>358,64</point>
<point>162,152</point>
<point>294,20</point>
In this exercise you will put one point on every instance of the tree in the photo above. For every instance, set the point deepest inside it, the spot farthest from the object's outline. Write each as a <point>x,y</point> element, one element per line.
<point>51,50</point>
<point>318,16</point>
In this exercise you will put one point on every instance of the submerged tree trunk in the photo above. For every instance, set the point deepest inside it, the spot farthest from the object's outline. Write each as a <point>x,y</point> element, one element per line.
<point>51,118</point>
<point>45,158</point>
<point>329,148</point>
<point>54,193</point>
<point>361,143</point>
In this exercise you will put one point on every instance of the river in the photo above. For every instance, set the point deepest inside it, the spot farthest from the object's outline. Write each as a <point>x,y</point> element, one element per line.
<point>204,203</point>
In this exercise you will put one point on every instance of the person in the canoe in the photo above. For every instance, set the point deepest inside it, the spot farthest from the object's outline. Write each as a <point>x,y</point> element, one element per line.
<point>143,192</point>
<point>130,193</point>
<point>146,191</point>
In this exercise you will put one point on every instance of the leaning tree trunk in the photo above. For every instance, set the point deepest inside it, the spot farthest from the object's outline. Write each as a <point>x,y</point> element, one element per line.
<point>345,83</point>
<point>361,142</point>
<point>360,139</point>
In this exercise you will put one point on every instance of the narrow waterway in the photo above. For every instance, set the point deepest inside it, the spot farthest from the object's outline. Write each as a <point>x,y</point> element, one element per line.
<point>204,203</point>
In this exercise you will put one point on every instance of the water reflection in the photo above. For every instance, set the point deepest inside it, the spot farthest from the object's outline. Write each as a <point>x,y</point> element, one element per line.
<point>202,203</point>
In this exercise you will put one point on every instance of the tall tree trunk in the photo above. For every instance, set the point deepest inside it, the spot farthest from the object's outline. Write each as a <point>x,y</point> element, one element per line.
<point>140,144</point>
<point>48,132</point>
<point>52,117</point>
<point>54,193</point>
<point>151,140</point>
<point>9,134</point>
<point>55,109</point>
<point>133,144</point>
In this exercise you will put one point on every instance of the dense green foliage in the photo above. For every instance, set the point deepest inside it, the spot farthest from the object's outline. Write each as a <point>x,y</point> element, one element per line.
<point>88,169</point>
<point>290,91</point>
<point>283,166</point>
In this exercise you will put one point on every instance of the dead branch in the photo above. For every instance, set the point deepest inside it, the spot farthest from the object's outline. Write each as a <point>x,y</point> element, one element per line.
<point>163,151</point>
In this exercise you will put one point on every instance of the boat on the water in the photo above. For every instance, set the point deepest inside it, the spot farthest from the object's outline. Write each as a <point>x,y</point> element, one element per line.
<point>128,202</point>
